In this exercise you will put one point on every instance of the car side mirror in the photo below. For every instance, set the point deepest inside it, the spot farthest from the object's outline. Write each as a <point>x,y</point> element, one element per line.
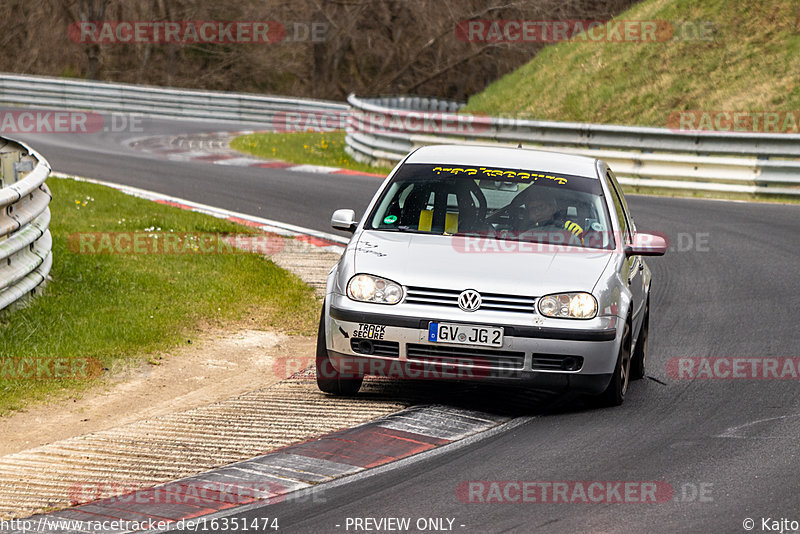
<point>646,245</point>
<point>344,220</point>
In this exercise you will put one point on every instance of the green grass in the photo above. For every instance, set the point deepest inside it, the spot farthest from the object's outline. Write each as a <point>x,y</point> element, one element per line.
<point>123,309</point>
<point>750,65</point>
<point>303,147</point>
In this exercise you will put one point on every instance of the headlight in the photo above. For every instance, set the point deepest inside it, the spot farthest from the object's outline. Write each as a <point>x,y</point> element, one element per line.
<point>568,306</point>
<point>368,288</point>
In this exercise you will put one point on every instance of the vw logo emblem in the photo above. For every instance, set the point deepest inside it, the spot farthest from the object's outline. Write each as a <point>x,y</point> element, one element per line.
<point>469,300</point>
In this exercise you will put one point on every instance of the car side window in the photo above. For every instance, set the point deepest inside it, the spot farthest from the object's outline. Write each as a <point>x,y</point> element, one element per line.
<point>628,216</point>
<point>619,207</point>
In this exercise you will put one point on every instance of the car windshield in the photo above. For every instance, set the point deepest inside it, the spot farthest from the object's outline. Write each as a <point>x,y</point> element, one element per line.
<point>496,203</point>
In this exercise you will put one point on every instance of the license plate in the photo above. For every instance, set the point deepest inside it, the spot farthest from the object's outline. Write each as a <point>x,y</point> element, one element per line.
<point>465,334</point>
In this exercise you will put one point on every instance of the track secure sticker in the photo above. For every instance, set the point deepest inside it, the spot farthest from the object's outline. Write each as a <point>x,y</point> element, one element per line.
<point>390,219</point>
<point>370,331</point>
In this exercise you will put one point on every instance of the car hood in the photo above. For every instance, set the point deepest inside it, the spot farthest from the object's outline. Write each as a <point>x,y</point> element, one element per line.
<point>448,262</point>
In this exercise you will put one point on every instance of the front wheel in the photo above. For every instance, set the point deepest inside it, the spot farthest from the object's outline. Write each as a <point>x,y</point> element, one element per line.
<point>329,380</point>
<point>614,395</point>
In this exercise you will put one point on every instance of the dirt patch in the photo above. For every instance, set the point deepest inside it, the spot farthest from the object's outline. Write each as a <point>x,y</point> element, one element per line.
<point>219,363</point>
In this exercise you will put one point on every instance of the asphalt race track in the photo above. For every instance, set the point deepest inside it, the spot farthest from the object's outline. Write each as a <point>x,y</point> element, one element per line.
<point>286,196</point>
<point>726,447</point>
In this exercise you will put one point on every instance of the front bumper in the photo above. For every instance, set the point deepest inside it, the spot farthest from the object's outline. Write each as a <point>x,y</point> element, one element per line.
<point>374,340</point>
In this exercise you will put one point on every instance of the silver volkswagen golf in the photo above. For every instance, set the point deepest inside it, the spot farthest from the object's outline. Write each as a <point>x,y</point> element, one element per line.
<point>492,264</point>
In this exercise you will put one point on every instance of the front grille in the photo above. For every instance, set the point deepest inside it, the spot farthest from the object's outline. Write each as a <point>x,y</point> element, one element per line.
<point>503,359</point>
<point>489,301</point>
<point>374,347</point>
<point>555,362</point>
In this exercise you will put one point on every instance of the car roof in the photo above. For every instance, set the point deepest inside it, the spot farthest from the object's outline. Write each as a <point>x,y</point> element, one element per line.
<point>508,158</point>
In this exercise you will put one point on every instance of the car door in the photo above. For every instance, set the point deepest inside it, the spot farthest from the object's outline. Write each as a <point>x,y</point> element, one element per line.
<point>633,266</point>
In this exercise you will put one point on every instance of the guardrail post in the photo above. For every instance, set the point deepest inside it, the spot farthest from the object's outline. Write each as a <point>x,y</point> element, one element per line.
<point>21,167</point>
<point>8,174</point>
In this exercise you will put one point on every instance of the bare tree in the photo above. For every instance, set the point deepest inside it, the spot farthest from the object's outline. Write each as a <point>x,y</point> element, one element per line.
<point>91,11</point>
<point>332,47</point>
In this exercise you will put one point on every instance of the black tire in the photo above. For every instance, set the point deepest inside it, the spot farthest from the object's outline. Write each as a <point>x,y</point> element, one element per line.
<point>614,395</point>
<point>639,358</point>
<point>329,380</point>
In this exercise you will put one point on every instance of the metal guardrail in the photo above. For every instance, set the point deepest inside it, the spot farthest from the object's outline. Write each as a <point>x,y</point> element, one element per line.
<point>384,130</point>
<point>25,242</point>
<point>43,92</point>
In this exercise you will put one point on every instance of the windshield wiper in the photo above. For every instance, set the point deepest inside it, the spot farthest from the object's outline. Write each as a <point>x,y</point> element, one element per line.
<point>405,229</point>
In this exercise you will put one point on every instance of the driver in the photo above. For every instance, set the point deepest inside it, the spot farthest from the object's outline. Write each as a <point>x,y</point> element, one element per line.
<point>541,212</point>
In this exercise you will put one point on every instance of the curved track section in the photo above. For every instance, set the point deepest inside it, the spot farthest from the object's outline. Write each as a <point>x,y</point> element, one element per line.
<point>292,197</point>
<point>726,447</point>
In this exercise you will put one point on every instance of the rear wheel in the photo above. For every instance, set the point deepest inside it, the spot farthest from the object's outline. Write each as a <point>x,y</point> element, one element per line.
<point>614,395</point>
<point>639,358</point>
<point>329,380</point>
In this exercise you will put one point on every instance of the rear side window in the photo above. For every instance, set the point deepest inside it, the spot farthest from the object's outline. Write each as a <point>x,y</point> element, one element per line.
<point>620,207</point>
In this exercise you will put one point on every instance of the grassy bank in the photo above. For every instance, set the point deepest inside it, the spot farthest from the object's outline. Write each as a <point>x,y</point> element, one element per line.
<point>124,308</point>
<point>740,55</point>
<point>304,148</point>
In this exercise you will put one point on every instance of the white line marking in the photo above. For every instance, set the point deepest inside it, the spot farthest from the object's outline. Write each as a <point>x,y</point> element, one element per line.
<point>732,432</point>
<point>270,225</point>
<point>321,169</point>
<point>238,162</point>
